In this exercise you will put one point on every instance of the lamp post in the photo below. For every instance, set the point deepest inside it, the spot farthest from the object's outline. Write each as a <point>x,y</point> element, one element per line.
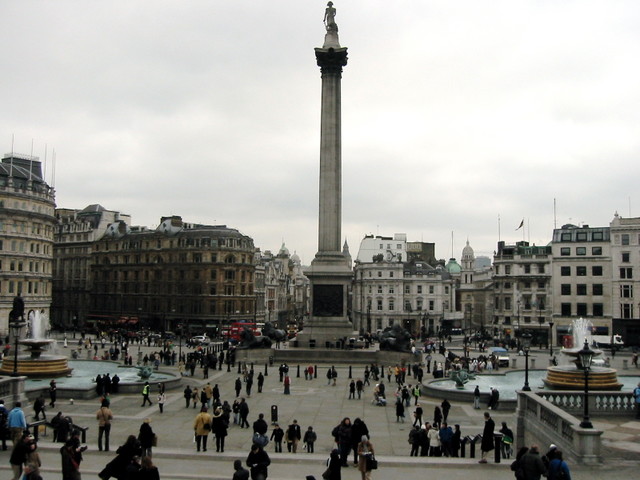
<point>15,327</point>
<point>526,344</point>
<point>586,356</point>
<point>551,339</point>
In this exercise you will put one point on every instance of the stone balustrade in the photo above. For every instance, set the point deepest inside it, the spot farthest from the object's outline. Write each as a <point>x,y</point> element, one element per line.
<point>600,403</point>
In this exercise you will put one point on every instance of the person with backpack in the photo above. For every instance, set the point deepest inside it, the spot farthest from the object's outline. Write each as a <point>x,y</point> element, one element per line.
<point>558,468</point>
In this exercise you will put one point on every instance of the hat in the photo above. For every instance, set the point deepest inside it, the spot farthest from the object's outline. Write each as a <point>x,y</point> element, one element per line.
<point>552,447</point>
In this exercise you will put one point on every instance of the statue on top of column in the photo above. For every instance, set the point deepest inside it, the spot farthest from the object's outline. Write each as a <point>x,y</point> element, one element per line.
<point>330,18</point>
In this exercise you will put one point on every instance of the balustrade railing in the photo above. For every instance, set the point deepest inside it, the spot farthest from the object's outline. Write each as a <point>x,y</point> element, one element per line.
<point>600,403</point>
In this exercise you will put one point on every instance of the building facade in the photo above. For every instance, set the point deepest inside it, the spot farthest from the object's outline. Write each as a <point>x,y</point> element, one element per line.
<point>196,278</point>
<point>27,225</point>
<point>625,283</point>
<point>582,278</point>
<point>75,234</point>
<point>522,291</point>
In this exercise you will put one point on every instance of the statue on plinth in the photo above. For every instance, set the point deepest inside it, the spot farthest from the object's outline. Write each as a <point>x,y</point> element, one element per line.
<point>330,18</point>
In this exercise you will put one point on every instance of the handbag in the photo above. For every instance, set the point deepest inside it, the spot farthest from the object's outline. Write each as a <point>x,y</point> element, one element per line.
<point>206,426</point>
<point>371,462</point>
<point>327,474</point>
<point>154,440</point>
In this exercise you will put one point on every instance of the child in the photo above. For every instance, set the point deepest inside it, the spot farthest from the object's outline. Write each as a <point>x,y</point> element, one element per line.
<point>277,435</point>
<point>309,438</point>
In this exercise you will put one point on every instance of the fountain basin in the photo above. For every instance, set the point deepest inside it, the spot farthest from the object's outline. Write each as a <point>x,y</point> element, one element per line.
<point>44,365</point>
<point>570,378</point>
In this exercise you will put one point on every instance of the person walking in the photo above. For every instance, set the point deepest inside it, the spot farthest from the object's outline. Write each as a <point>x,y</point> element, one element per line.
<point>70,456</point>
<point>104,416</point>
<point>342,436</point>
<point>187,395</point>
<point>243,409</point>
<point>258,460</point>
<point>476,398</point>
<point>162,398</point>
<point>294,434</point>
<point>417,415</point>
<point>446,406</point>
<point>202,427</point>
<point>636,395</point>
<point>53,393</point>
<point>334,466</point>
<point>277,434</point>
<point>487,437</point>
<point>365,455</point>
<point>239,473</point>
<point>399,411</point>
<point>506,446</point>
<point>148,471</point>
<point>145,437</point>
<point>125,454</point>
<point>145,394</point>
<point>558,468</point>
<point>17,423</point>
<point>533,467</point>
<point>219,425</point>
<point>309,439</point>
<point>19,456</point>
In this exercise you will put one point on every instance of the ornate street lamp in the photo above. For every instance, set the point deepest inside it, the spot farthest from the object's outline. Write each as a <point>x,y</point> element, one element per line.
<point>15,327</point>
<point>526,344</point>
<point>586,356</point>
<point>551,339</point>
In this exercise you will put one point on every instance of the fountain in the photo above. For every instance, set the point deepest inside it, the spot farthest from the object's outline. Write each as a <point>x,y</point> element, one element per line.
<point>37,363</point>
<point>571,377</point>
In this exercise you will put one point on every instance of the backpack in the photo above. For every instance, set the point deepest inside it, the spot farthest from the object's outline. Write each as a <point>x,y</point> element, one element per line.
<point>261,440</point>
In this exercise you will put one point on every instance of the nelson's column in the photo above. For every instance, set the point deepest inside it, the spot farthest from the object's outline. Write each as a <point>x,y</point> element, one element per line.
<point>330,273</point>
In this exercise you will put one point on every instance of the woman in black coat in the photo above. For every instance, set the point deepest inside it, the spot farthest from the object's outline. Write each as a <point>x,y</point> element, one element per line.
<point>145,437</point>
<point>125,453</point>
<point>335,465</point>
<point>219,425</point>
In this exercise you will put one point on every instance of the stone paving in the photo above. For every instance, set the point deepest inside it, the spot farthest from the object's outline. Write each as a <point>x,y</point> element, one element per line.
<point>311,402</point>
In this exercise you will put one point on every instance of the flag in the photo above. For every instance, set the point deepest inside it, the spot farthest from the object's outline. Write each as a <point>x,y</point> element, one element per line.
<point>521,225</point>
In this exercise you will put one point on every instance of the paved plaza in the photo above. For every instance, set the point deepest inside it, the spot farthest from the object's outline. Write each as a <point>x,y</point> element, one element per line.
<point>312,402</point>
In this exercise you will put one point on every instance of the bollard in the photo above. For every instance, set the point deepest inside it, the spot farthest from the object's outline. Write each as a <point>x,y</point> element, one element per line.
<point>315,372</point>
<point>625,364</point>
<point>228,365</point>
<point>350,372</point>
<point>274,414</point>
<point>533,363</point>
<point>251,367</point>
<point>298,372</point>
<point>239,368</point>
<point>472,448</point>
<point>266,371</point>
<point>497,444</point>
<point>514,362</point>
<point>463,445</point>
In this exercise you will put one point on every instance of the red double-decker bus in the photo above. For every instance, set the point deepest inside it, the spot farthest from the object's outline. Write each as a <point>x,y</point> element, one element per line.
<point>236,328</point>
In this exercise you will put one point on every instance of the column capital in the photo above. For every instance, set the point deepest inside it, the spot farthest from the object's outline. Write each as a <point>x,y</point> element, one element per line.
<point>331,60</point>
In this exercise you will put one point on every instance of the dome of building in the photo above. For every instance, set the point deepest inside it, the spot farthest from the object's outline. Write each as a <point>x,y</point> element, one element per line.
<point>295,258</point>
<point>453,266</point>
<point>467,251</point>
<point>284,251</point>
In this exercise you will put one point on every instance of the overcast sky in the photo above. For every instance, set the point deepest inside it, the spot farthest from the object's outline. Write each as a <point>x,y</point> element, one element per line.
<point>454,113</point>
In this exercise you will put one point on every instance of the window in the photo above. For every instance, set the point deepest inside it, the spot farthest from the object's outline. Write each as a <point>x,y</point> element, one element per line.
<point>507,269</point>
<point>527,268</point>
<point>407,289</point>
<point>597,289</point>
<point>626,291</point>
<point>379,288</point>
<point>565,309</point>
<point>581,309</point>
<point>626,310</point>
<point>565,237</point>
<point>598,309</point>
<point>581,271</point>
<point>497,267</point>
<point>581,289</point>
<point>581,236</point>
<point>379,274</point>
<point>430,288</point>
<point>565,289</point>
<point>597,236</point>
<point>507,285</point>
<point>540,268</point>
<point>596,271</point>
<point>565,251</point>
<point>407,306</point>
<point>565,271</point>
<point>229,275</point>
<point>507,303</point>
<point>379,304</point>
<point>431,304</point>
<point>596,250</point>
<point>392,290</point>
<point>541,285</point>
<point>625,257</point>
<point>581,251</point>
<point>626,272</point>
<point>390,274</point>
<point>392,305</point>
<point>625,238</point>
<point>419,289</point>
